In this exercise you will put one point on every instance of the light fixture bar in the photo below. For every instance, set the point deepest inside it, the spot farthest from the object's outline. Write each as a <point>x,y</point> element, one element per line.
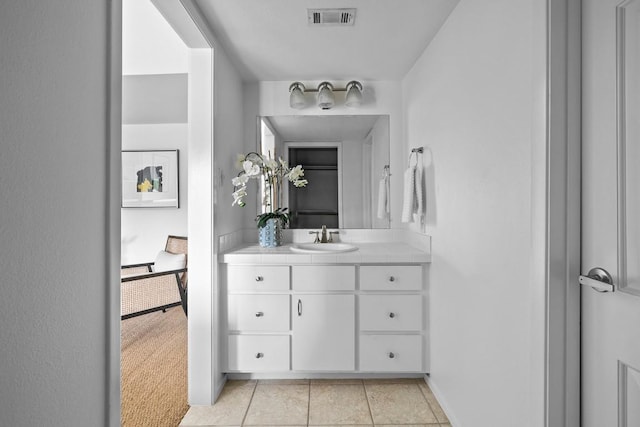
<point>325,99</point>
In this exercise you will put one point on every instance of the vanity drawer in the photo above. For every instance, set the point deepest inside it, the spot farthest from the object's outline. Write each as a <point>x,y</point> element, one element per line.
<point>391,277</point>
<point>390,312</point>
<point>391,353</point>
<point>258,353</point>
<point>257,278</point>
<point>323,277</point>
<point>258,313</point>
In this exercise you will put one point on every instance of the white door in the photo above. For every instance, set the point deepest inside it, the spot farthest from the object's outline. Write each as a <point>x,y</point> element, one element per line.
<point>323,333</point>
<point>611,213</point>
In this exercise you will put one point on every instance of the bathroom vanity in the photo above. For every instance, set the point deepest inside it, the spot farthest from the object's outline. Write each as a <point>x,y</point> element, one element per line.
<point>360,312</point>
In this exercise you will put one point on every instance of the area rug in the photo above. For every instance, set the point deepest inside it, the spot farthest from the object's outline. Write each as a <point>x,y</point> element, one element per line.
<point>153,362</point>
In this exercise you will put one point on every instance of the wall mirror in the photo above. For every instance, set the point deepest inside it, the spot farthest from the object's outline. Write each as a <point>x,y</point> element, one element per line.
<point>346,161</point>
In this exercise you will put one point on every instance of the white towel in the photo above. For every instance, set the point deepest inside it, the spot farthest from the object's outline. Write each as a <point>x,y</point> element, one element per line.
<point>383,201</point>
<point>420,205</point>
<point>408,201</point>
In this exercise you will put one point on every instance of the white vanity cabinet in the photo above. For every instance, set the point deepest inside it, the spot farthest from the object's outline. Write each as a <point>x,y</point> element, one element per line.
<point>325,318</point>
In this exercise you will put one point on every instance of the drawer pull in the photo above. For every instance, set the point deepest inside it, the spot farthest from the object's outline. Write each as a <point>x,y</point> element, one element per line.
<point>259,278</point>
<point>392,315</point>
<point>391,355</point>
<point>392,279</point>
<point>259,314</point>
<point>299,307</point>
<point>259,356</point>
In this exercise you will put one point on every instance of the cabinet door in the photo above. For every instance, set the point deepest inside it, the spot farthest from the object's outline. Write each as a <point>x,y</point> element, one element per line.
<point>323,333</point>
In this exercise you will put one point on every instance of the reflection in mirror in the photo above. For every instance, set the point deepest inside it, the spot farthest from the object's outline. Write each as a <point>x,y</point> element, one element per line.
<point>346,161</point>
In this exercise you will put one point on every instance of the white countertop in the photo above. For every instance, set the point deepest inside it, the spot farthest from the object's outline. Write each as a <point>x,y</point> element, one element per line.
<point>379,253</point>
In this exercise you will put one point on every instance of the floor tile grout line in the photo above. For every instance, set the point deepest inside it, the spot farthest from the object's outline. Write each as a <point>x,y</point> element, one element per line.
<point>429,403</point>
<point>246,412</point>
<point>309,405</point>
<point>366,395</point>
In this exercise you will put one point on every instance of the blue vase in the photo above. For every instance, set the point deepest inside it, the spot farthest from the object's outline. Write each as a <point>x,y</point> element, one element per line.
<point>270,236</point>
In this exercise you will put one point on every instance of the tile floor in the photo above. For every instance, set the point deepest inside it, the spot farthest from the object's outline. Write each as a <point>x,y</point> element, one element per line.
<point>388,402</point>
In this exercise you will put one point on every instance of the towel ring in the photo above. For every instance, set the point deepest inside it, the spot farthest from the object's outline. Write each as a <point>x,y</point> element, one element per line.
<point>416,151</point>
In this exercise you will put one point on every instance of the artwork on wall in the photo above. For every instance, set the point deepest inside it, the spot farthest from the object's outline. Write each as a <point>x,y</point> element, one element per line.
<point>150,179</point>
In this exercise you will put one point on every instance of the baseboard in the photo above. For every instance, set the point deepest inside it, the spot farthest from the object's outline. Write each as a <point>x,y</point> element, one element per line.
<point>443,402</point>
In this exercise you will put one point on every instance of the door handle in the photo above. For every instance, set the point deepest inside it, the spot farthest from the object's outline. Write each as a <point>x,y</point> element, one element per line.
<point>299,307</point>
<point>599,279</point>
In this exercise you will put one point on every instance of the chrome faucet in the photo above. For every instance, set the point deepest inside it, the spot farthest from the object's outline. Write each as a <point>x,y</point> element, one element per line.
<point>323,235</point>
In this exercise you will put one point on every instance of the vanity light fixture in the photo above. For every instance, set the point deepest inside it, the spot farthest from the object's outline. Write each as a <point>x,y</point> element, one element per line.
<point>354,94</point>
<point>325,98</point>
<point>296,99</point>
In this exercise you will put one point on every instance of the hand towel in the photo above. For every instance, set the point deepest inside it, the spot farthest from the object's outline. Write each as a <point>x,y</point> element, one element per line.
<point>420,205</point>
<point>387,205</point>
<point>382,198</point>
<point>408,200</point>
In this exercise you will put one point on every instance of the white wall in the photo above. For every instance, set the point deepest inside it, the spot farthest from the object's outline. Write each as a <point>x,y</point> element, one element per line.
<point>468,100</point>
<point>56,201</point>
<point>227,142</point>
<point>150,46</point>
<point>144,230</point>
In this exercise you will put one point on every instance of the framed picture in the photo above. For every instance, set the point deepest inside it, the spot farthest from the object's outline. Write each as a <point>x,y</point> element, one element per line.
<point>150,179</point>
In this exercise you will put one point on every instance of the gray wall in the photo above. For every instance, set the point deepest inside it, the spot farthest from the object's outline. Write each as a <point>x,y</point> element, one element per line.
<point>55,212</point>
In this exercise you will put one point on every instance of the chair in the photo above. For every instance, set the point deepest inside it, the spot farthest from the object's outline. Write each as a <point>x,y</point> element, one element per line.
<point>157,285</point>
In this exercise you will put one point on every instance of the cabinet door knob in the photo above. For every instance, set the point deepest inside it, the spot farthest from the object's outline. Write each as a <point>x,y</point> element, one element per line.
<point>259,356</point>
<point>391,355</point>
<point>259,278</point>
<point>392,279</point>
<point>259,314</point>
<point>392,315</point>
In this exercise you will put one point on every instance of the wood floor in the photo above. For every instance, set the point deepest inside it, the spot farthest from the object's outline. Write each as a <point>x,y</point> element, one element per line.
<point>154,369</point>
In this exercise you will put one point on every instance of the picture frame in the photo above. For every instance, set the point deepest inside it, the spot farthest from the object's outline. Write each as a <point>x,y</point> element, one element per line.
<point>150,179</point>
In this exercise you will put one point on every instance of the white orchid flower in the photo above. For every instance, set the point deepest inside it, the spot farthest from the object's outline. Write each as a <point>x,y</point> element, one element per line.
<point>238,195</point>
<point>284,163</point>
<point>295,173</point>
<point>251,169</point>
<point>240,180</point>
<point>271,164</point>
<point>300,183</point>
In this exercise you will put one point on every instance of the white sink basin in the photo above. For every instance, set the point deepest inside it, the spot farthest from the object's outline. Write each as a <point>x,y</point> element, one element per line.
<point>323,248</point>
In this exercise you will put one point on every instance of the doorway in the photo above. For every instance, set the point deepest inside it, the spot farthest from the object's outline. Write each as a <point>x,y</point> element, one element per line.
<point>182,17</point>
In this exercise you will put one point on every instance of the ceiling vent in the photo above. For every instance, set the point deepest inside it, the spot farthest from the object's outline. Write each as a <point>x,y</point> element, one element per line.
<point>331,16</point>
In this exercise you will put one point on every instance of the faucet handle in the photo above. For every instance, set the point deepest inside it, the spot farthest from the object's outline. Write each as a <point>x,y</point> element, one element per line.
<point>317,240</point>
<point>331,233</point>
